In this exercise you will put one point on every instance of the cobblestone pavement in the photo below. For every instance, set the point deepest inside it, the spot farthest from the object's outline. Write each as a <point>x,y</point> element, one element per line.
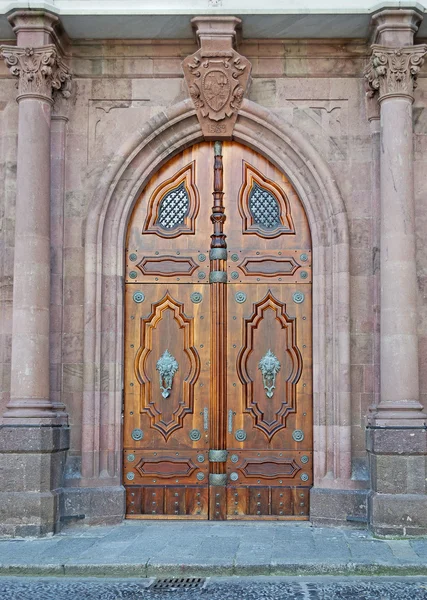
<point>236,588</point>
<point>145,549</point>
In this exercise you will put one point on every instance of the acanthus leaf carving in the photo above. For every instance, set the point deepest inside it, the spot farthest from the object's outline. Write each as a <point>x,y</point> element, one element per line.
<point>40,71</point>
<point>394,71</point>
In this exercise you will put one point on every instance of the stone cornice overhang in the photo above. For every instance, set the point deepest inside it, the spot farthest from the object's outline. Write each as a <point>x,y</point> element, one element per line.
<point>165,19</point>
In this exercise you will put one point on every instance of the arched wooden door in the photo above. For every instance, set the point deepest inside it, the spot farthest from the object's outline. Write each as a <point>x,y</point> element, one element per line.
<point>218,352</point>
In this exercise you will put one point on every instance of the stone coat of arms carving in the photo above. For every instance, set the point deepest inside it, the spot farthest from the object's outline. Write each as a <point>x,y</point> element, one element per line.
<point>217,82</point>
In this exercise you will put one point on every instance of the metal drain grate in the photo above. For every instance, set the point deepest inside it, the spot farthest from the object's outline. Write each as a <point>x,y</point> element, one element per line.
<point>178,583</point>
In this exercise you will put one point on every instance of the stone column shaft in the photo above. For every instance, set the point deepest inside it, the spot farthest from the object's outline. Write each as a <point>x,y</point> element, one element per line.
<point>393,73</point>
<point>40,70</point>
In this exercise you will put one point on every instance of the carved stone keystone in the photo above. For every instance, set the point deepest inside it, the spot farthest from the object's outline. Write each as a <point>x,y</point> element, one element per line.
<point>217,76</point>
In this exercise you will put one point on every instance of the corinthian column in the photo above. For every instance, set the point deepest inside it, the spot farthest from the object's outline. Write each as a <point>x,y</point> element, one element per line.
<point>39,70</point>
<point>392,73</point>
<point>396,433</point>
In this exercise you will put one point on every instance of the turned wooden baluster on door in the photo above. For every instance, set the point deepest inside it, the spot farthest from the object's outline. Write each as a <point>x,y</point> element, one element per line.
<point>218,289</point>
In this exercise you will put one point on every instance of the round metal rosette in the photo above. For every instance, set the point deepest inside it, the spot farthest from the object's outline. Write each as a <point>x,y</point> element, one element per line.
<point>240,435</point>
<point>200,476</point>
<point>195,435</point>
<point>138,297</point>
<point>234,476</point>
<point>298,297</point>
<point>196,297</point>
<point>137,434</point>
<point>133,257</point>
<point>201,275</point>
<point>234,275</point>
<point>298,435</point>
<point>234,257</point>
<point>304,459</point>
<point>133,274</point>
<point>303,274</point>
<point>234,458</point>
<point>304,477</point>
<point>240,297</point>
<point>131,457</point>
<point>304,257</point>
<point>202,257</point>
<point>200,458</point>
<point>130,476</point>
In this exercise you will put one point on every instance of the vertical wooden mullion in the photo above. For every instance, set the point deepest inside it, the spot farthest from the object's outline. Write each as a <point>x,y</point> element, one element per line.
<point>218,291</point>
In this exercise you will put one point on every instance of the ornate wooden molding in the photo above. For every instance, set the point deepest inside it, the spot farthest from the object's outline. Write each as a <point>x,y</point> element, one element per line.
<point>40,71</point>
<point>217,76</point>
<point>393,71</point>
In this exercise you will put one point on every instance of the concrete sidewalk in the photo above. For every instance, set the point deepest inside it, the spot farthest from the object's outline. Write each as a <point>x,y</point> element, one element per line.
<point>148,548</point>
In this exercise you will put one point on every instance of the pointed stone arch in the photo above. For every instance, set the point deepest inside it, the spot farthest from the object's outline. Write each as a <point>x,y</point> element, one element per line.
<point>130,169</point>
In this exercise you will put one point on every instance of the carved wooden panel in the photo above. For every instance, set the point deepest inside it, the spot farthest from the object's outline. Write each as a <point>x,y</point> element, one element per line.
<point>268,322</point>
<point>268,503</point>
<point>168,320</point>
<point>166,501</point>
<point>263,265</point>
<point>166,466</point>
<point>263,205</point>
<point>174,205</point>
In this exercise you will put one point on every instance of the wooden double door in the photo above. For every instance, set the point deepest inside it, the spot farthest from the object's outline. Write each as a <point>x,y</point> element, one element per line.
<point>218,342</point>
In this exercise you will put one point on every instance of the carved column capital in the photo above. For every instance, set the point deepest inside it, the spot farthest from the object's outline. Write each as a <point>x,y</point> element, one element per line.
<point>40,71</point>
<point>392,72</point>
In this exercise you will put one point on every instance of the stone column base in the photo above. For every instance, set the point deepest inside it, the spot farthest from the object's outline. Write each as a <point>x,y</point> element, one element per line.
<point>93,506</point>
<point>32,460</point>
<point>397,504</point>
<point>331,507</point>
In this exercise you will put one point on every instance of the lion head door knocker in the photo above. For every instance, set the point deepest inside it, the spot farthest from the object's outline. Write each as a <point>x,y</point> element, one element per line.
<point>269,366</point>
<point>167,366</point>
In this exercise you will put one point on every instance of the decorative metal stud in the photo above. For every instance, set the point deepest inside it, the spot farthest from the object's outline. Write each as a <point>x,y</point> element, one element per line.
<point>298,297</point>
<point>200,458</point>
<point>201,275</point>
<point>234,458</point>
<point>202,257</point>
<point>131,457</point>
<point>298,435</point>
<point>304,257</point>
<point>234,476</point>
<point>200,476</point>
<point>234,275</point>
<point>304,459</point>
<point>269,366</point>
<point>133,274</point>
<point>240,435</point>
<point>195,435</point>
<point>303,274</point>
<point>240,297</point>
<point>137,434</point>
<point>133,257</point>
<point>138,297</point>
<point>234,257</point>
<point>196,297</point>
<point>130,476</point>
<point>304,477</point>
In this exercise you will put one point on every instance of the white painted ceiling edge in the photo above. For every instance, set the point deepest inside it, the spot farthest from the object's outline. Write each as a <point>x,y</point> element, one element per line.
<point>170,19</point>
